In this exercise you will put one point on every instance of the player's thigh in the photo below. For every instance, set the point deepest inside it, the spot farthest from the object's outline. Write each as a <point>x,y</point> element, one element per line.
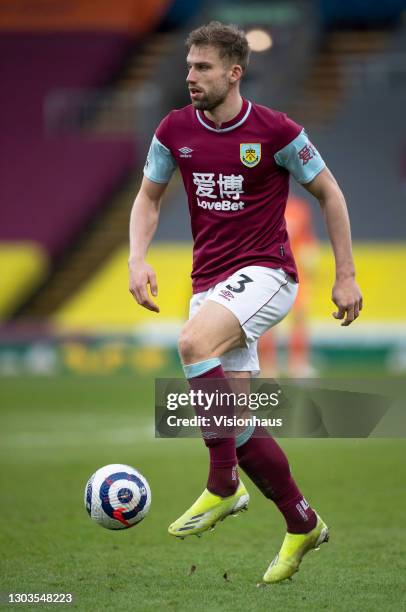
<point>213,329</point>
<point>242,360</point>
<point>228,319</point>
<point>259,297</point>
<point>266,299</point>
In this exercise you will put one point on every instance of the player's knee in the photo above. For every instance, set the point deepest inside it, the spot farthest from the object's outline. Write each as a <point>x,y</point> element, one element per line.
<point>191,346</point>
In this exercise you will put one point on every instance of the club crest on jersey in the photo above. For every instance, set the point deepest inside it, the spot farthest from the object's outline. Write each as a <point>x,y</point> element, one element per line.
<point>250,153</point>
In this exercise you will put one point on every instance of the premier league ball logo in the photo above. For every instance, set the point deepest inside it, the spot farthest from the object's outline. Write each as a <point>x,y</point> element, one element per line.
<point>117,496</point>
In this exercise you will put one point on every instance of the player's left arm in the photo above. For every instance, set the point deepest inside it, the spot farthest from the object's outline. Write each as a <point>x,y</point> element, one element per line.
<point>346,293</point>
<point>300,157</point>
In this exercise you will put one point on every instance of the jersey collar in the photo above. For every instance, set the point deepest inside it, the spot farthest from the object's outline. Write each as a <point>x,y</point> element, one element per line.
<point>227,126</point>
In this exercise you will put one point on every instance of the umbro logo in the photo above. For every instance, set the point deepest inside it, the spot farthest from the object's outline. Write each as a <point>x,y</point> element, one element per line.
<point>185,152</point>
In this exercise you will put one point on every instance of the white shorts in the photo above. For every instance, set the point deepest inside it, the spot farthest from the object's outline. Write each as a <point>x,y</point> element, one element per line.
<point>259,297</point>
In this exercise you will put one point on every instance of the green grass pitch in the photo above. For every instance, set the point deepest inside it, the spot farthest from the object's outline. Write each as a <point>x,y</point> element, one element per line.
<point>56,432</point>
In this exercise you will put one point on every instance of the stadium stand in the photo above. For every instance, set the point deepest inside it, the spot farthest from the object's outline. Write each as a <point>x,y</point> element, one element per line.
<point>53,184</point>
<point>96,117</point>
<point>51,187</point>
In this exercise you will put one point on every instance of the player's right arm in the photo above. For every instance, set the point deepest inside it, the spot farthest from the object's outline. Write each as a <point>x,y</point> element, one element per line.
<point>143,223</point>
<point>159,167</point>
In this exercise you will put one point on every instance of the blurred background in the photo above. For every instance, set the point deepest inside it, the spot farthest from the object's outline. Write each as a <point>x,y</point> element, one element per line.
<point>82,93</point>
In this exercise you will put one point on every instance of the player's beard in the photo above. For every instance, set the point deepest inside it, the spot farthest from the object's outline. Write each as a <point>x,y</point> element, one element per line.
<point>210,101</point>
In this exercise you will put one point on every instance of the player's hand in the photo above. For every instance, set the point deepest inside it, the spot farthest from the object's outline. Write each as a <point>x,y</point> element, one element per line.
<point>140,276</point>
<point>348,299</point>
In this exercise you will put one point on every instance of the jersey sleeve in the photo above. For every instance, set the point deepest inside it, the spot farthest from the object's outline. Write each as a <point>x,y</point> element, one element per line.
<point>300,158</point>
<point>160,163</point>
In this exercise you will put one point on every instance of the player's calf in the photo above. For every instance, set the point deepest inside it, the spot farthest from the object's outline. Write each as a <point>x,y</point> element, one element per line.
<point>207,377</point>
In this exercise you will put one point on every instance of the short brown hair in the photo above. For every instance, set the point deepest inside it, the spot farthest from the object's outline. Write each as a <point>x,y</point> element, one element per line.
<point>228,39</point>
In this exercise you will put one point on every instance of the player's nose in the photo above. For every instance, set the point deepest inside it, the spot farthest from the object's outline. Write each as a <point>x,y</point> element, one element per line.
<point>191,76</point>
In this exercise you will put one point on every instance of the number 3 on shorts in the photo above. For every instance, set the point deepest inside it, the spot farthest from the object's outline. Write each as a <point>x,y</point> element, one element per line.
<point>241,284</point>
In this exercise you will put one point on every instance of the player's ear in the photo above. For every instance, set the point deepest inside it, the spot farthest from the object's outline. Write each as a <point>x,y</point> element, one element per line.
<point>235,73</point>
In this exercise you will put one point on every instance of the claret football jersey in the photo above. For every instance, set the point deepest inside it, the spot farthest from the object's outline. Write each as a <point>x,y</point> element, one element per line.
<point>237,182</point>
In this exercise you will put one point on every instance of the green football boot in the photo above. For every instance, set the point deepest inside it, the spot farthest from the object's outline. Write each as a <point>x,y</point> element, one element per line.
<point>208,510</point>
<point>293,549</point>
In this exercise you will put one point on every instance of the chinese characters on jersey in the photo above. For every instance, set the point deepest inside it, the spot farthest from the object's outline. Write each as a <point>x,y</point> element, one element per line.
<point>225,186</point>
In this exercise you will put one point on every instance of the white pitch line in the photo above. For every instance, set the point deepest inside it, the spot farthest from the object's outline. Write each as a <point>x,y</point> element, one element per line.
<point>30,439</point>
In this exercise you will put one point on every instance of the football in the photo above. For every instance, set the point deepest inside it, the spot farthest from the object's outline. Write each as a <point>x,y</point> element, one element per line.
<point>117,496</point>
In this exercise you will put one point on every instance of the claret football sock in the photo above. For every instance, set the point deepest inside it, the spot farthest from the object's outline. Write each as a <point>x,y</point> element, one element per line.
<point>208,376</point>
<point>263,460</point>
<point>222,480</point>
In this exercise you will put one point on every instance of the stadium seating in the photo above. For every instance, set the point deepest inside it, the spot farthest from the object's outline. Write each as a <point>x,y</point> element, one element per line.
<point>51,186</point>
